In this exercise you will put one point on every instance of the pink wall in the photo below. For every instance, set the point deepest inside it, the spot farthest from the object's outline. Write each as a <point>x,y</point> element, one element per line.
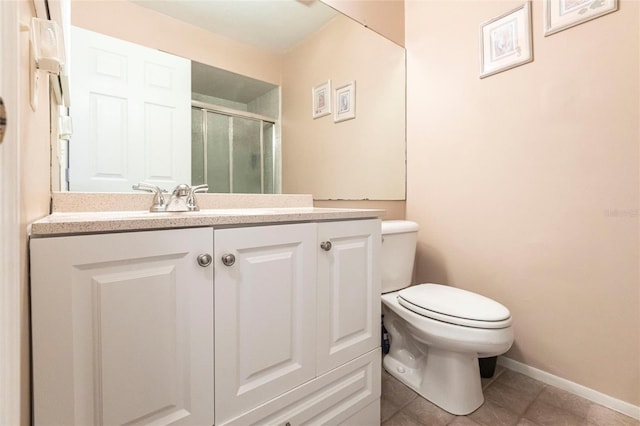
<point>393,210</point>
<point>29,131</point>
<point>358,159</point>
<point>525,183</point>
<point>128,21</point>
<point>386,18</point>
<point>382,16</point>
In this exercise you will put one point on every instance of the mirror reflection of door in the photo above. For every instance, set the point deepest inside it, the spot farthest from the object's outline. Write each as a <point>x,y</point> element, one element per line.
<point>130,106</point>
<point>129,102</point>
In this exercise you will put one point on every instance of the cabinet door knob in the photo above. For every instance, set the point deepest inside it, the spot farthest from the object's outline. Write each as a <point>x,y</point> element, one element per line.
<point>326,245</point>
<point>228,259</point>
<point>204,260</point>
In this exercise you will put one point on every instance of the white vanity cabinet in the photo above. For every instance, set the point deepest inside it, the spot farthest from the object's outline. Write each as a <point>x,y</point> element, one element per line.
<point>297,318</point>
<point>125,325</point>
<point>123,328</point>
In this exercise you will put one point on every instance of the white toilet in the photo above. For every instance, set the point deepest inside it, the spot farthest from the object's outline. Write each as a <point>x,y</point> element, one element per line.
<point>437,332</point>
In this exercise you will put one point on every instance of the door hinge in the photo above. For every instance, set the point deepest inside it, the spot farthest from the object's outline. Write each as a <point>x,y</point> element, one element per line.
<point>3,120</point>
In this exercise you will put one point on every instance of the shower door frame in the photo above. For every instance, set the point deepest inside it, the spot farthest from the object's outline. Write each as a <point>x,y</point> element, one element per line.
<point>230,112</point>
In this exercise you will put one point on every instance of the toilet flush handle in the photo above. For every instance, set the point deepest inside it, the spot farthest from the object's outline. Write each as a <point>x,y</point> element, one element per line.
<point>326,245</point>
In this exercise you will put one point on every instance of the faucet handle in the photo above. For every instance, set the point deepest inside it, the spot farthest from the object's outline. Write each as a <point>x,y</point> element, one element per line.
<point>200,188</point>
<point>192,202</point>
<point>158,204</point>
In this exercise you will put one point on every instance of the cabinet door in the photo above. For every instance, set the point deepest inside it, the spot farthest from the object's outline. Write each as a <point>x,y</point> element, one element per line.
<point>348,291</point>
<point>123,329</point>
<point>264,314</point>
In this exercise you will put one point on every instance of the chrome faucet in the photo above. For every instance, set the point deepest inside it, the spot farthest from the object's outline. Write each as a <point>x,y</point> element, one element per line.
<point>178,200</point>
<point>159,203</point>
<point>182,198</point>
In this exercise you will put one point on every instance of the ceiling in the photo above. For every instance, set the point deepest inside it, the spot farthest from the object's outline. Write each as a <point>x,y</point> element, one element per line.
<point>217,82</point>
<point>276,25</point>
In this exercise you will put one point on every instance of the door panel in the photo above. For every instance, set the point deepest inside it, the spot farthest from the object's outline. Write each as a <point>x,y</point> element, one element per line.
<point>247,160</point>
<point>348,291</point>
<point>269,166</point>
<point>218,154</point>
<point>131,109</point>
<point>123,329</point>
<point>264,314</point>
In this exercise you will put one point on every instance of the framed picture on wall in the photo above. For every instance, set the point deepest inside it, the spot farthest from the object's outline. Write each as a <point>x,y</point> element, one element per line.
<point>345,99</point>
<point>505,41</point>
<point>321,100</point>
<point>562,14</point>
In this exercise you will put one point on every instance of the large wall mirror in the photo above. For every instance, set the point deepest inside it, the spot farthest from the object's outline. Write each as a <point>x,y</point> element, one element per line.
<point>239,77</point>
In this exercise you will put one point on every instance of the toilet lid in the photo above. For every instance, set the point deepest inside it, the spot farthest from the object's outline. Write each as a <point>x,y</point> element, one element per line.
<point>455,306</point>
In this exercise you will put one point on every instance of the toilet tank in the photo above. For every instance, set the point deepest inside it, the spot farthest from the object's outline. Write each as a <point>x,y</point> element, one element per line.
<point>399,239</point>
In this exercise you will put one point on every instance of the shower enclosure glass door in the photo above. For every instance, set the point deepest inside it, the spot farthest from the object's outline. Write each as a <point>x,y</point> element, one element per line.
<point>232,151</point>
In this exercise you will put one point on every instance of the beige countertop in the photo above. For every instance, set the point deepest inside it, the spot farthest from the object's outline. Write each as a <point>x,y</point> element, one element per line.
<point>133,201</point>
<point>88,213</point>
<point>69,223</point>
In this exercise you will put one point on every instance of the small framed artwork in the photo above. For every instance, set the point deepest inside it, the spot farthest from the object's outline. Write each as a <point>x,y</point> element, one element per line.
<point>345,99</point>
<point>505,41</point>
<point>321,97</point>
<point>562,14</point>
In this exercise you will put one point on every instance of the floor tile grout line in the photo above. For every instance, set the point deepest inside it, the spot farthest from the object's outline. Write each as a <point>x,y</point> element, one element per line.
<point>516,386</point>
<point>401,408</point>
<point>522,416</point>
<point>453,419</point>
<point>494,378</point>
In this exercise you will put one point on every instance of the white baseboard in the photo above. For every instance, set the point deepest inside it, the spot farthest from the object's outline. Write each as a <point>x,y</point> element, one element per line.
<point>576,389</point>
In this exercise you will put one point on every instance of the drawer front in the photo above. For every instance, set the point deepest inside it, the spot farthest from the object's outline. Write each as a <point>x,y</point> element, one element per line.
<point>329,399</point>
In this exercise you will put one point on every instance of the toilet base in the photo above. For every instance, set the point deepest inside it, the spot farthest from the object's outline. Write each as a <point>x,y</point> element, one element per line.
<point>450,380</point>
<point>439,360</point>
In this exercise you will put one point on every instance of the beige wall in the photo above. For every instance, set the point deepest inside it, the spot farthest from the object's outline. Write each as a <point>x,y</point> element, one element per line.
<point>363,158</point>
<point>388,19</point>
<point>526,183</point>
<point>34,187</point>
<point>383,16</point>
<point>394,210</point>
<point>128,21</point>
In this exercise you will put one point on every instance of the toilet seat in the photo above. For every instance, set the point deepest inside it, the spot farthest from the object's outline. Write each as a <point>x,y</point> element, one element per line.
<point>455,306</point>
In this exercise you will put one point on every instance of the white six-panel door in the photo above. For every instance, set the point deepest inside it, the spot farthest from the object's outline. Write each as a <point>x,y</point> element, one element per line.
<point>348,291</point>
<point>123,329</point>
<point>131,111</point>
<point>264,314</point>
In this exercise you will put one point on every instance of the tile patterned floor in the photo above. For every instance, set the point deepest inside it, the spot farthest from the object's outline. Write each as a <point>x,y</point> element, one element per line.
<point>511,399</point>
